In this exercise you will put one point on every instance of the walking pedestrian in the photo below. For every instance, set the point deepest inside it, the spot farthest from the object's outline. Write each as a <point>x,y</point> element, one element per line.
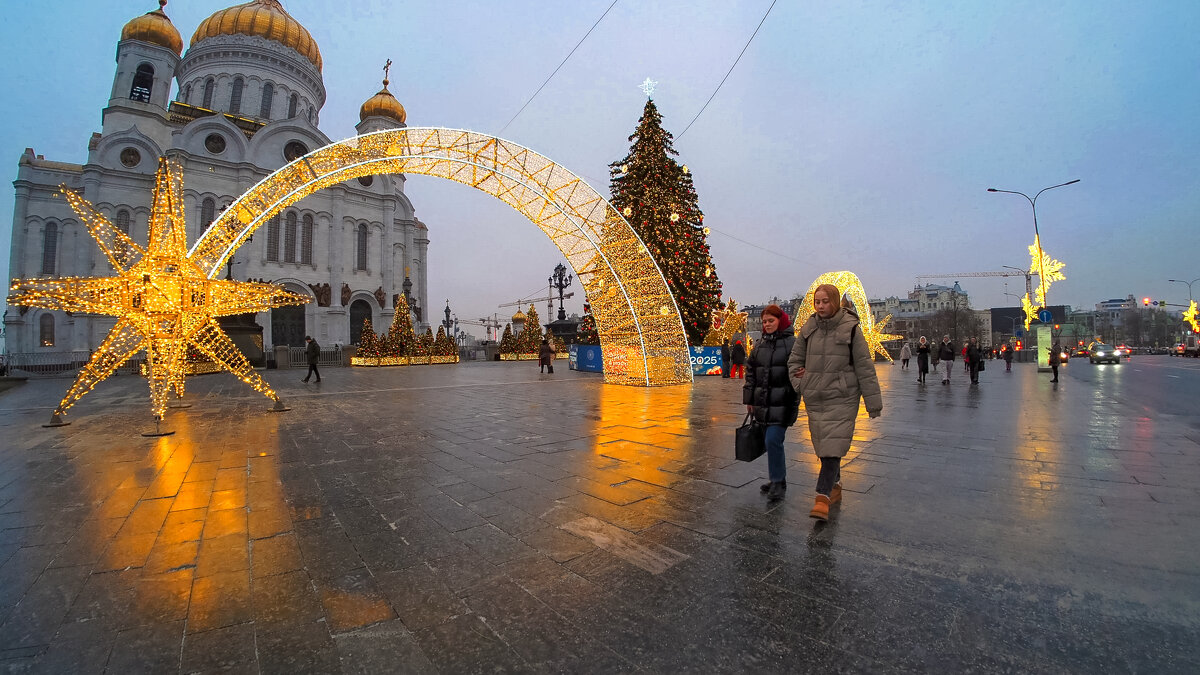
<point>738,356</point>
<point>923,349</point>
<point>1008,357</point>
<point>905,355</point>
<point>546,357</point>
<point>945,357</point>
<point>725,359</point>
<point>974,358</point>
<point>768,393</point>
<point>832,369</point>
<point>966,362</point>
<point>1055,351</point>
<point>312,351</point>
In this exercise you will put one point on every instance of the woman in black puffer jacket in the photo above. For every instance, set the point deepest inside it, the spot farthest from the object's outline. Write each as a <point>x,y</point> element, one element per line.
<point>768,392</point>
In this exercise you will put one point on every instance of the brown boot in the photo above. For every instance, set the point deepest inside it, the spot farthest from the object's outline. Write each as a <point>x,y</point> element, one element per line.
<point>820,510</point>
<point>835,495</point>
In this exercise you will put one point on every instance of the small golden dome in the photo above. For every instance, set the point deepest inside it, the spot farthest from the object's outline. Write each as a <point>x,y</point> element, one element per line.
<point>518,317</point>
<point>265,19</point>
<point>155,28</point>
<point>383,104</point>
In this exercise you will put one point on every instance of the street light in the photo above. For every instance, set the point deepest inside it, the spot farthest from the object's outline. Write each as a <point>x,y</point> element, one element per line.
<point>1036,234</point>
<point>1189,285</point>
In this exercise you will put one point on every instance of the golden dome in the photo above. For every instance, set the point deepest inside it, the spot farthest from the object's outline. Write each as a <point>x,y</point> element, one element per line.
<point>383,104</point>
<point>155,28</point>
<point>518,317</point>
<point>264,18</point>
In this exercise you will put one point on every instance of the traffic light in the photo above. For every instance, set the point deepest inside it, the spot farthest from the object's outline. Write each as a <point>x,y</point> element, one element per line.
<point>1018,345</point>
<point>1145,302</point>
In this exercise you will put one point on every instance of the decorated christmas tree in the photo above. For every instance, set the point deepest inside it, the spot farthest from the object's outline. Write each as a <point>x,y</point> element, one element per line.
<point>655,194</point>
<point>508,343</point>
<point>424,346</point>
<point>442,344</point>
<point>369,344</point>
<point>530,339</point>
<point>559,346</point>
<point>585,332</point>
<point>400,338</point>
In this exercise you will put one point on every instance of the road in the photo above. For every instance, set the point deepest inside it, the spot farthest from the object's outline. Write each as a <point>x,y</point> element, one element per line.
<point>1151,385</point>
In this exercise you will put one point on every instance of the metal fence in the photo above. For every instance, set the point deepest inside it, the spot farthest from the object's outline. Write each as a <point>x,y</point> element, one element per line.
<point>298,357</point>
<point>57,364</point>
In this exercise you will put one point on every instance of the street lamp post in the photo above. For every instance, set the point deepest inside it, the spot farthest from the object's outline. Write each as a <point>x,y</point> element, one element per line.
<point>1189,285</point>
<point>1036,234</point>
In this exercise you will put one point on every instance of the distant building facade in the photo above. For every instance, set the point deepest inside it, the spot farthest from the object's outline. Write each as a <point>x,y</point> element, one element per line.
<point>248,98</point>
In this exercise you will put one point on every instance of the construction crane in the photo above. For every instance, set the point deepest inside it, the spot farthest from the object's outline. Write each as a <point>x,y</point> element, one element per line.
<point>491,325</point>
<point>1015,273</point>
<point>549,302</point>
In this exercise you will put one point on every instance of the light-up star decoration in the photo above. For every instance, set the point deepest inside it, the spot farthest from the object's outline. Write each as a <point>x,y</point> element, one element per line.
<point>848,282</point>
<point>726,322</point>
<point>1048,270</point>
<point>1190,317</point>
<point>164,301</point>
<point>648,86</point>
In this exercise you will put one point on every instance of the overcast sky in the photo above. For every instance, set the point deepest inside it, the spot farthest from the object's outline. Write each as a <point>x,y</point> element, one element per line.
<point>852,135</point>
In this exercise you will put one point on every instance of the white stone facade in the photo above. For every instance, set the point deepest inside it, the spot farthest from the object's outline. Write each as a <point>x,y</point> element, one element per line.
<point>264,102</point>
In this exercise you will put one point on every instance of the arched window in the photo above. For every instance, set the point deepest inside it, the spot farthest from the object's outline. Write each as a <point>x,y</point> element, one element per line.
<point>46,330</point>
<point>49,248</point>
<point>208,211</point>
<point>363,240</point>
<point>293,102</point>
<point>209,85</point>
<point>273,238</point>
<point>289,238</point>
<point>306,237</point>
<point>235,97</point>
<point>359,311</point>
<point>311,115</point>
<point>143,82</point>
<point>187,94</point>
<point>123,221</point>
<point>268,97</point>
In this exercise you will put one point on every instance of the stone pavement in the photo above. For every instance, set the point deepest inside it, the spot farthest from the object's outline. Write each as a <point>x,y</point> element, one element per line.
<point>485,518</point>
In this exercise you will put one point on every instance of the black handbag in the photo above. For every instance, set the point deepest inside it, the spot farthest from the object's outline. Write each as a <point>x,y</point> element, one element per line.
<point>750,440</point>
<point>981,365</point>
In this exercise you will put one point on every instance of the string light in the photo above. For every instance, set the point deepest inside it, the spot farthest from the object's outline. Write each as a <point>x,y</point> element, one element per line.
<point>1049,270</point>
<point>1190,317</point>
<point>164,301</point>
<point>848,283</point>
<point>625,287</point>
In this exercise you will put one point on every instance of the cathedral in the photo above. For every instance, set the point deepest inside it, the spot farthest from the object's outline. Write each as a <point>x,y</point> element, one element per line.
<point>248,99</point>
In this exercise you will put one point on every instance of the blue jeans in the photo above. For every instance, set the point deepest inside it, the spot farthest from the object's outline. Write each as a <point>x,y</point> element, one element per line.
<point>776,471</point>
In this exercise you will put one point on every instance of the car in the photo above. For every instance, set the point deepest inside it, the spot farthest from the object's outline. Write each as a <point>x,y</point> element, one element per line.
<point>1124,350</point>
<point>1081,353</point>
<point>1102,352</point>
<point>1064,355</point>
<point>1178,350</point>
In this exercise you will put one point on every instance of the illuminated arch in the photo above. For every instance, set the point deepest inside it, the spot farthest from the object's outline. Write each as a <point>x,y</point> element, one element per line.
<point>848,284</point>
<point>641,332</point>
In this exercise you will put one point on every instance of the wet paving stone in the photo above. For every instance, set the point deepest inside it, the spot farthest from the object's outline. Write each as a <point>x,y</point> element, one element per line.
<point>483,519</point>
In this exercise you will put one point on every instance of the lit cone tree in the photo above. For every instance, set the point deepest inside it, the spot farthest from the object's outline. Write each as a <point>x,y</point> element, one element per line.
<point>442,344</point>
<point>656,195</point>
<point>508,343</point>
<point>585,332</point>
<point>400,337</point>
<point>530,339</point>
<point>425,343</point>
<point>369,344</point>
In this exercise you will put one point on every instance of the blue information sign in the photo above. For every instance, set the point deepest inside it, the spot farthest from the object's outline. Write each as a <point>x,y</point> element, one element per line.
<point>1045,316</point>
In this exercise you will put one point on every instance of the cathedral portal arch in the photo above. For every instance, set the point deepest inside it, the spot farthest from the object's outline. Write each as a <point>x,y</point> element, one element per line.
<point>641,333</point>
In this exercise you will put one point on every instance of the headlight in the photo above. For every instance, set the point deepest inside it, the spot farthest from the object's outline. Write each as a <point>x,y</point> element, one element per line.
<point>1099,353</point>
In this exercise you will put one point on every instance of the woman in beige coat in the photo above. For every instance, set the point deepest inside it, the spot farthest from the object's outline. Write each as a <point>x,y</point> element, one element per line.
<point>832,368</point>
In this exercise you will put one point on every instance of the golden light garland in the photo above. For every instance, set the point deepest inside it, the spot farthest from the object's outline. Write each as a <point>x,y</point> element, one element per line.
<point>641,344</point>
<point>726,322</point>
<point>1190,317</point>
<point>1048,271</point>
<point>164,300</point>
<point>848,283</point>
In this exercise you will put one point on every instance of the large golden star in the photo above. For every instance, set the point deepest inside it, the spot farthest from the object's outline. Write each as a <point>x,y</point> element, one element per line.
<point>1048,270</point>
<point>164,300</point>
<point>1190,316</point>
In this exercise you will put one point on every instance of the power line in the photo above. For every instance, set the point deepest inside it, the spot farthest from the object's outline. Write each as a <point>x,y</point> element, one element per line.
<point>564,61</point>
<point>735,62</point>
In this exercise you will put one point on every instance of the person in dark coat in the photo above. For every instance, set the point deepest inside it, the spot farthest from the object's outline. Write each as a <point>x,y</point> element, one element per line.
<point>945,357</point>
<point>1008,357</point>
<point>725,359</point>
<point>974,357</point>
<point>546,357</point>
<point>1055,359</point>
<point>738,356</point>
<point>768,392</point>
<point>312,351</point>
<point>923,349</point>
